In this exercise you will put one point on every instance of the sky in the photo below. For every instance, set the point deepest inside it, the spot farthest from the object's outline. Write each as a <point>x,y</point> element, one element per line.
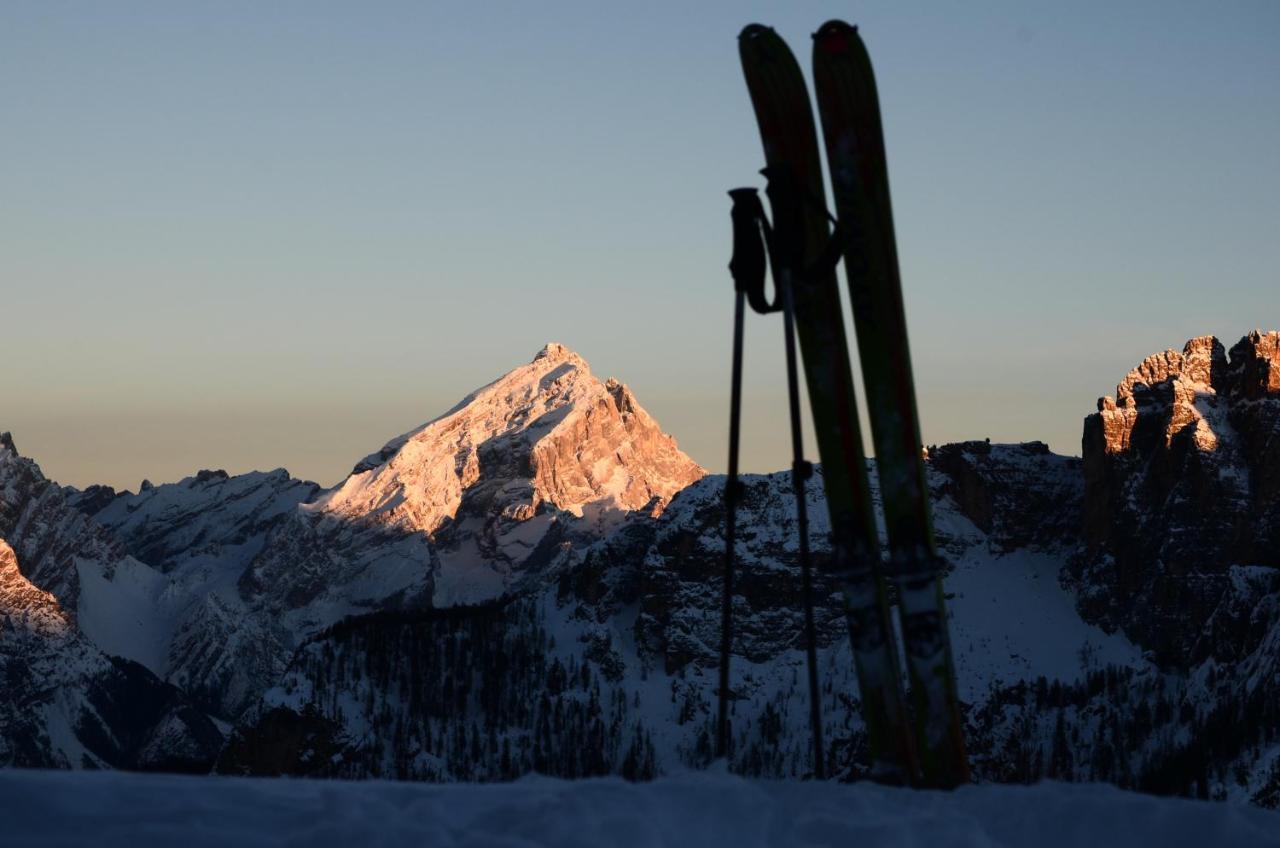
<point>248,235</point>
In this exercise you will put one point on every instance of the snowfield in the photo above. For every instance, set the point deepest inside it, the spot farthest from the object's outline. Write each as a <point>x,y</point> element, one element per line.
<point>703,809</point>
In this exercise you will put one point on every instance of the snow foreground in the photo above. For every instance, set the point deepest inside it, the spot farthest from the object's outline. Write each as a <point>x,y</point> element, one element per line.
<point>703,808</point>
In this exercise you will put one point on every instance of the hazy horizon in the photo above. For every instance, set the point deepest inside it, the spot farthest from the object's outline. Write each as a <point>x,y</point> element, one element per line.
<point>249,237</point>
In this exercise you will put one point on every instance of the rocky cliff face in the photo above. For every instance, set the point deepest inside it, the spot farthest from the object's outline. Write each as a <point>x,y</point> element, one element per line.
<point>23,605</point>
<point>1020,496</point>
<point>1181,471</point>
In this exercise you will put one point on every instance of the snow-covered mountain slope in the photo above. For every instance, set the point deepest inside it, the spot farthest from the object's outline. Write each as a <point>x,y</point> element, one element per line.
<point>630,632</point>
<point>705,809</point>
<point>461,510</point>
<point>226,575</point>
<point>52,541</point>
<point>66,704</point>
<point>211,520</point>
<point>622,647</point>
<point>1011,617</point>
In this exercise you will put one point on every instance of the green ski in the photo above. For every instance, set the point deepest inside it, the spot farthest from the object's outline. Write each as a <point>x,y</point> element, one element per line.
<point>850,110</point>
<point>801,238</point>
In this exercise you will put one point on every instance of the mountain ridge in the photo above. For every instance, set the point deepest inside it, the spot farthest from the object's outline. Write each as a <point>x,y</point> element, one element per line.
<point>610,592</point>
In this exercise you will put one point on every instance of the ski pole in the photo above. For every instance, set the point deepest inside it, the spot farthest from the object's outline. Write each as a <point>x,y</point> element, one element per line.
<point>747,262</point>
<point>801,471</point>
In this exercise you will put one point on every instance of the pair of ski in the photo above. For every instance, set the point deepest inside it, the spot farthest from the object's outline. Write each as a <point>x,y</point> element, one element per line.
<point>915,734</point>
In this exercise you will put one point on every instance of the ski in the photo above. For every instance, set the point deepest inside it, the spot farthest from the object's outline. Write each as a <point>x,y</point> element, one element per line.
<point>850,112</point>
<point>801,239</point>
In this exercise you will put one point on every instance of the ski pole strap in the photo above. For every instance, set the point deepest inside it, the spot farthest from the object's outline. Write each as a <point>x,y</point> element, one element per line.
<point>750,237</point>
<point>785,193</point>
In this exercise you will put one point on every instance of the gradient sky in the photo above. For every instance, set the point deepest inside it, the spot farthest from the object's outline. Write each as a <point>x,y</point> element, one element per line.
<point>245,235</point>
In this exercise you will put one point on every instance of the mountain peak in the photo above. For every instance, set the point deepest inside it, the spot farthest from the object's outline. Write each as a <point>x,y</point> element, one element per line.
<point>546,444</point>
<point>1181,467</point>
<point>556,352</point>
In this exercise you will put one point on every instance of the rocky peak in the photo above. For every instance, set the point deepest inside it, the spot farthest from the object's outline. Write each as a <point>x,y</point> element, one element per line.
<point>1255,366</point>
<point>555,352</point>
<point>24,605</point>
<point>546,435</point>
<point>6,442</point>
<point>1182,482</point>
<point>1175,387</point>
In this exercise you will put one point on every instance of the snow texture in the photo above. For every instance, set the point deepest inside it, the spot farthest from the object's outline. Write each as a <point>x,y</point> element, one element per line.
<point>705,809</point>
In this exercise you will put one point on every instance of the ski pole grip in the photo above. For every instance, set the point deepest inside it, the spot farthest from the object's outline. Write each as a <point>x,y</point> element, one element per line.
<point>747,265</point>
<point>750,245</point>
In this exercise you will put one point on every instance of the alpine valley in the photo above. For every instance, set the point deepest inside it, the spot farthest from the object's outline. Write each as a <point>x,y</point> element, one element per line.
<point>531,582</point>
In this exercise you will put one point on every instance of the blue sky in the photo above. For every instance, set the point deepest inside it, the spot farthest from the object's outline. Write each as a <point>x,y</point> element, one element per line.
<point>244,235</point>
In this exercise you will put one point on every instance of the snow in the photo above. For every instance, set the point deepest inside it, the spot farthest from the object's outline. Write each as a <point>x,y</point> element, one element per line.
<point>1012,620</point>
<point>465,578</point>
<point>697,808</point>
<point>118,614</point>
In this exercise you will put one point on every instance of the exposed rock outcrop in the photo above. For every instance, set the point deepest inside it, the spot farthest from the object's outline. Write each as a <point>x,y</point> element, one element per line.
<point>1182,472</point>
<point>25,606</point>
<point>1021,496</point>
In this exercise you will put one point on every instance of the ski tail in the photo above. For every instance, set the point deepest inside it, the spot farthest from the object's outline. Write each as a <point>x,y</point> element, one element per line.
<point>801,236</point>
<point>850,113</point>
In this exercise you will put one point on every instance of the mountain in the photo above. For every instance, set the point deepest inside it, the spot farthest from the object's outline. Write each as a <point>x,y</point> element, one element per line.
<point>531,583</point>
<point>227,575</point>
<point>1182,474</point>
<point>501,483</point>
<point>621,647</point>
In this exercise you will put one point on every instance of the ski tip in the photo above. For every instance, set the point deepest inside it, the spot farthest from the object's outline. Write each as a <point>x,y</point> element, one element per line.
<point>834,35</point>
<point>750,32</point>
